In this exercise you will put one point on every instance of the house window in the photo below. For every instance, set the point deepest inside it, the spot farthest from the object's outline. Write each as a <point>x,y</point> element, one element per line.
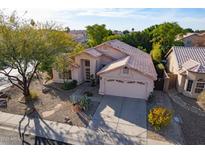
<point>125,70</point>
<point>65,75</point>
<point>87,63</point>
<point>189,85</point>
<point>200,86</point>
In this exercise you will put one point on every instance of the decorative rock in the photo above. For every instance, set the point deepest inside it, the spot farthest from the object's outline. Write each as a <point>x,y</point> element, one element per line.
<point>45,90</point>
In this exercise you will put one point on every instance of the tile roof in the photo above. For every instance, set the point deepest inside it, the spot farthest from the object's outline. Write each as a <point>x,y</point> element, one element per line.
<point>188,35</point>
<point>136,59</point>
<point>93,52</point>
<point>123,47</point>
<point>190,56</point>
<point>115,64</point>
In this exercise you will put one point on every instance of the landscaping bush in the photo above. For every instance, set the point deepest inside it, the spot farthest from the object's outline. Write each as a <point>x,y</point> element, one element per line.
<point>88,93</point>
<point>33,95</point>
<point>69,85</point>
<point>201,97</point>
<point>92,79</point>
<point>84,102</point>
<point>159,117</point>
<point>160,69</point>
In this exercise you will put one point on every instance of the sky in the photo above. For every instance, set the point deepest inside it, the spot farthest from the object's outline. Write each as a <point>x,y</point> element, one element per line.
<point>117,18</point>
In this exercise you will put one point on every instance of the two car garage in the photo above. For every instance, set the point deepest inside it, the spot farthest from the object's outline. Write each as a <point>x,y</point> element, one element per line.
<point>133,89</point>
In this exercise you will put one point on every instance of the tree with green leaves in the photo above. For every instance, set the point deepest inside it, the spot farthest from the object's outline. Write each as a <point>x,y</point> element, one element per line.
<point>96,34</point>
<point>64,62</point>
<point>125,32</point>
<point>25,44</point>
<point>156,53</point>
<point>165,34</point>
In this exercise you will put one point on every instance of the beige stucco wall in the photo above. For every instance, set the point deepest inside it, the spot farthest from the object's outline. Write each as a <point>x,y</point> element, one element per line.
<point>103,60</point>
<point>173,67</point>
<point>172,64</point>
<point>132,76</point>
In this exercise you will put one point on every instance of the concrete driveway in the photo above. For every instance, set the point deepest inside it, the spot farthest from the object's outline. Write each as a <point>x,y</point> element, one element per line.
<point>124,116</point>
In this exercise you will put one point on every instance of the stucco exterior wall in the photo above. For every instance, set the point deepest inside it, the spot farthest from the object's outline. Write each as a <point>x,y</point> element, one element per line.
<point>173,67</point>
<point>102,61</point>
<point>172,64</point>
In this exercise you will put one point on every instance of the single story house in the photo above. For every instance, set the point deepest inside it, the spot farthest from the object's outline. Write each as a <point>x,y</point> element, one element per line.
<point>193,39</point>
<point>188,63</point>
<point>122,70</point>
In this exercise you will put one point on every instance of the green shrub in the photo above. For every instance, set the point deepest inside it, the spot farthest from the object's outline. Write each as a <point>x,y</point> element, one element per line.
<point>33,95</point>
<point>92,79</point>
<point>201,97</point>
<point>160,69</point>
<point>84,102</point>
<point>159,117</point>
<point>88,93</point>
<point>69,85</point>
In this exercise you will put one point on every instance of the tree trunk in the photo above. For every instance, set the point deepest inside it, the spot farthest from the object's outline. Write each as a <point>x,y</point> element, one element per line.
<point>26,90</point>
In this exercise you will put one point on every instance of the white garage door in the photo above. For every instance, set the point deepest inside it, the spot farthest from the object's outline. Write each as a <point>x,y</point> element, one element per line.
<point>134,89</point>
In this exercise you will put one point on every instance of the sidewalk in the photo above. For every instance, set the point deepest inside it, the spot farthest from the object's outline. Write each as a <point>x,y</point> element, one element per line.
<point>62,132</point>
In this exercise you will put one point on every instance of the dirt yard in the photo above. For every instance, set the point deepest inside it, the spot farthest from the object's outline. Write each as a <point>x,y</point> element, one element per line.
<point>55,104</point>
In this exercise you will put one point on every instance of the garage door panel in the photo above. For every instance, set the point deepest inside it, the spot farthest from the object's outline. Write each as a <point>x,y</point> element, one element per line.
<point>133,89</point>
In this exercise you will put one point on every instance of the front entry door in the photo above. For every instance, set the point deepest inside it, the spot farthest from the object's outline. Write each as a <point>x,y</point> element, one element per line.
<point>87,70</point>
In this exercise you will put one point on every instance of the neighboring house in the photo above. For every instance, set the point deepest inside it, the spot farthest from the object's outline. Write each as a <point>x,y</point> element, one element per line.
<point>193,39</point>
<point>122,69</point>
<point>189,65</point>
<point>79,35</point>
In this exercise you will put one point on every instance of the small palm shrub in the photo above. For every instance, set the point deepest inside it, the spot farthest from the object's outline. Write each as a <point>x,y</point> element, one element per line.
<point>159,117</point>
<point>84,102</point>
